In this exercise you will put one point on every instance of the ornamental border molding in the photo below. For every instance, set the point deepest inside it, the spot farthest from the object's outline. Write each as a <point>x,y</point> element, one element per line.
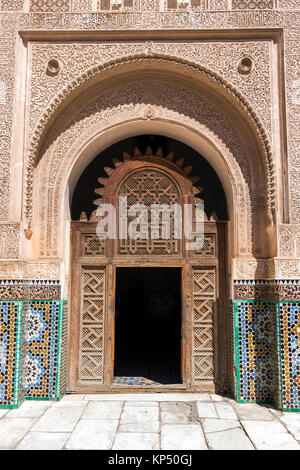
<point>75,85</point>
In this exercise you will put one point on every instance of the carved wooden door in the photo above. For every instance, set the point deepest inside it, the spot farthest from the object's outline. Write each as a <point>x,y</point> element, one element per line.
<point>147,180</point>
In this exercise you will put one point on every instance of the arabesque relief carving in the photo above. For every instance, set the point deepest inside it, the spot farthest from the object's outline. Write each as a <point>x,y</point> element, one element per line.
<point>236,95</point>
<point>124,103</point>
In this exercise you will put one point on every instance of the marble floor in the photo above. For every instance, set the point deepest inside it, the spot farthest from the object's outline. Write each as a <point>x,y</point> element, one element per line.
<point>176,421</point>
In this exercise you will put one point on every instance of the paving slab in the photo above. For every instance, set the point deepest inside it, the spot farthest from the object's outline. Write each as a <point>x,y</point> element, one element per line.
<point>206,410</point>
<point>232,439</point>
<point>225,410</point>
<point>146,426</point>
<point>3,412</point>
<point>93,434</point>
<point>270,436</point>
<point>292,422</point>
<point>135,414</point>
<point>43,441</point>
<point>103,410</point>
<point>253,412</point>
<point>73,397</point>
<point>168,417</point>
<point>12,430</point>
<point>182,437</point>
<point>30,409</point>
<point>148,397</point>
<point>215,425</point>
<point>142,403</point>
<point>136,441</point>
<point>175,412</point>
<point>62,418</point>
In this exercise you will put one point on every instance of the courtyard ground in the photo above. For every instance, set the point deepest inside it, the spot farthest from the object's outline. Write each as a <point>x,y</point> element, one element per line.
<point>174,421</point>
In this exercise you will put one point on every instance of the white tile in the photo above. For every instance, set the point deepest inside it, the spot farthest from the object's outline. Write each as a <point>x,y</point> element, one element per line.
<point>232,439</point>
<point>136,441</point>
<point>225,411</point>
<point>182,437</point>
<point>30,409</point>
<point>93,434</point>
<point>215,425</point>
<point>270,436</point>
<point>43,441</point>
<point>3,412</point>
<point>206,410</point>
<point>142,426</point>
<point>60,417</point>
<point>252,411</point>
<point>103,410</point>
<point>136,414</point>
<point>13,430</point>
<point>292,422</point>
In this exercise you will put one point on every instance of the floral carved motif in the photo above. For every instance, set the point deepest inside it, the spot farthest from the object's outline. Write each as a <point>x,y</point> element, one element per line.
<point>49,5</point>
<point>253,269</point>
<point>289,241</point>
<point>11,5</point>
<point>218,5</point>
<point>252,4</point>
<point>23,270</point>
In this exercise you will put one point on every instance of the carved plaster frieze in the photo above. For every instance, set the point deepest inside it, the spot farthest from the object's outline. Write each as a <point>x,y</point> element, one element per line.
<point>26,270</point>
<point>287,269</point>
<point>253,268</point>
<point>266,269</point>
<point>49,6</point>
<point>149,20</point>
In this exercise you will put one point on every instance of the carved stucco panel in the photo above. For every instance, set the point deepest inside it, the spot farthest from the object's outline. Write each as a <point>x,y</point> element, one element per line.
<point>289,241</point>
<point>4,185</point>
<point>220,57</point>
<point>23,270</point>
<point>266,269</point>
<point>161,20</point>
<point>9,241</point>
<point>11,5</point>
<point>7,88</point>
<point>289,4</point>
<point>292,68</point>
<point>253,268</point>
<point>287,269</point>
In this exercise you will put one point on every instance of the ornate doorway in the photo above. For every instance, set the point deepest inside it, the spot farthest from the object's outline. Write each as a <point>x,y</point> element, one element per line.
<point>147,178</point>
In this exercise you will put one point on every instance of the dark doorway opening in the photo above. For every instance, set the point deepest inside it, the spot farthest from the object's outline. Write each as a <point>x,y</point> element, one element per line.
<point>148,326</point>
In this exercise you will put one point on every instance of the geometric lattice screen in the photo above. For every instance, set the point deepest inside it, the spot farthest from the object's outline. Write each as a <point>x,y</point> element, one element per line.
<point>203,306</point>
<point>32,351</point>
<point>91,354</point>
<point>150,187</point>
